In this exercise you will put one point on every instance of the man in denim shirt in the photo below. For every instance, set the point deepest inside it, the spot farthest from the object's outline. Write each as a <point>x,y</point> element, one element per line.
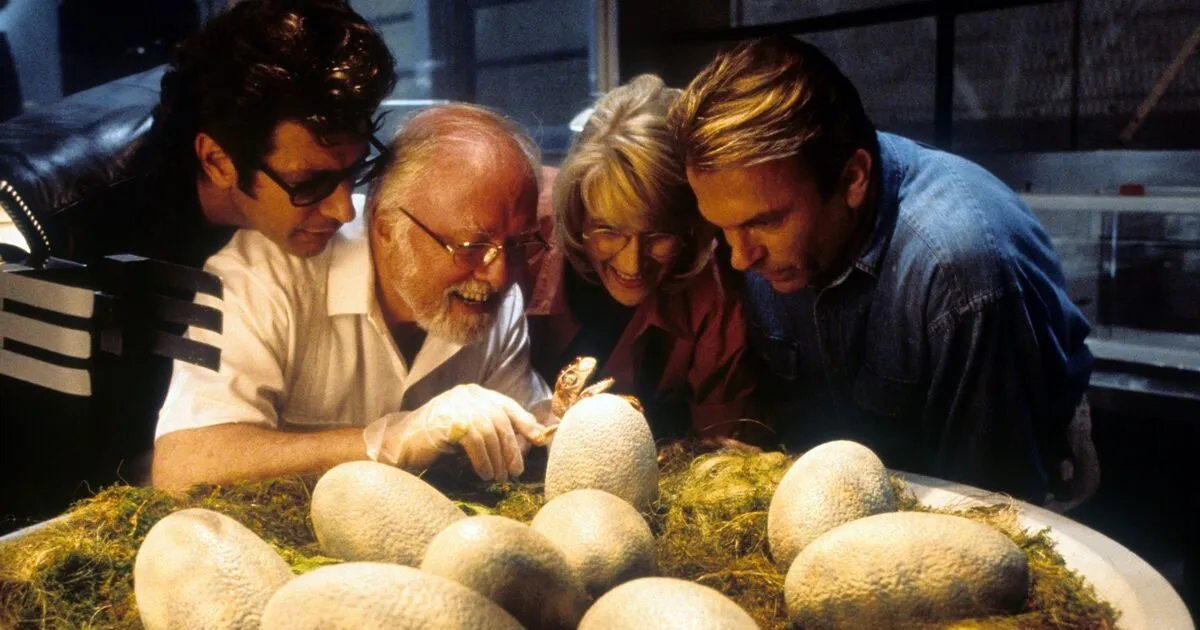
<point>903,297</point>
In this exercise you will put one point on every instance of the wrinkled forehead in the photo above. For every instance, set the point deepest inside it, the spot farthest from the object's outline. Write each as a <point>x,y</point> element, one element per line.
<point>475,189</point>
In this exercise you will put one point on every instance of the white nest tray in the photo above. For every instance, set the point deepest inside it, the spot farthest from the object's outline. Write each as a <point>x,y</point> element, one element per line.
<point>1145,599</point>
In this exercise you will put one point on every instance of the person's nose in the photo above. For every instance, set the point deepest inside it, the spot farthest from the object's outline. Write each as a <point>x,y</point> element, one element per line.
<point>629,259</point>
<point>744,253</point>
<point>495,272</point>
<point>339,206</point>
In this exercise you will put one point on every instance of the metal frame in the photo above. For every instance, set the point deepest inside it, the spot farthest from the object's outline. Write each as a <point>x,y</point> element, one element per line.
<point>452,39</point>
<point>902,12</point>
<point>452,43</point>
<point>530,59</point>
<point>945,12</point>
<point>603,61</point>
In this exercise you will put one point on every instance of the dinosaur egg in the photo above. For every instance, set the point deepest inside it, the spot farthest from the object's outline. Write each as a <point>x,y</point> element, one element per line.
<point>604,443</point>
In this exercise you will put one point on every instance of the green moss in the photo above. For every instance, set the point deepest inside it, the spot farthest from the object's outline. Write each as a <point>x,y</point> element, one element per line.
<point>78,572</point>
<point>711,527</point>
<point>709,524</point>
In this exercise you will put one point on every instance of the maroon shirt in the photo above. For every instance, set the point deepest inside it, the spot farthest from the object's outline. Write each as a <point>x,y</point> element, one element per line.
<point>699,340</point>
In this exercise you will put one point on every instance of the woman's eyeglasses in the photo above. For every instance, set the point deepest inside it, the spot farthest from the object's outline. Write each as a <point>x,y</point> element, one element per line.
<point>474,255</point>
<point>319,187</point>
<point>608,242</point>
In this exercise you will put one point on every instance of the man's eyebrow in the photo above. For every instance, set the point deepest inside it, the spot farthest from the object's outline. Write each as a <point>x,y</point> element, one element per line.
<point>765,217</point>
<point>477,233</point>
<point>313,170</point>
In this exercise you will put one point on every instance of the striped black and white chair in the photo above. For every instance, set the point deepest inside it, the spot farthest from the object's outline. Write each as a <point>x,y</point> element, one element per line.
<point>87,331</point>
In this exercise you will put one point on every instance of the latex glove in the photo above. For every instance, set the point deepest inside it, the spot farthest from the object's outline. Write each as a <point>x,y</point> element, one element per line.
<point>545,416</point>
<point>485,423</point>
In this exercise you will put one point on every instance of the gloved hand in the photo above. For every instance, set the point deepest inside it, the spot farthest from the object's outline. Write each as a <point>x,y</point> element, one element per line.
<point>486,423</point>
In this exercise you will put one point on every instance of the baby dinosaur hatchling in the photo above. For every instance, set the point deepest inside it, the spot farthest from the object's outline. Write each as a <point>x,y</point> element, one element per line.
<point>571,386</point>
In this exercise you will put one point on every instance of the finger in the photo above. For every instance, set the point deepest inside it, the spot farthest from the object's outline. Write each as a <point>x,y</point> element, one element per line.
<point>486,428</point>
<point>484,418</point>
<point>476,451</point>
<point>509,446</point>
<point>477,454</point>
<point>523,421</point>
<point>547,436</point>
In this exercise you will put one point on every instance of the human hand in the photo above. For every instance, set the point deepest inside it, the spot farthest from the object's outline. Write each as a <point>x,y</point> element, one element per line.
<point>544,412</point>
<point>487,424</point>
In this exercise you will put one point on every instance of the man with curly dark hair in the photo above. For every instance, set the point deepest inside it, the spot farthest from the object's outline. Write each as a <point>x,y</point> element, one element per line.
<point>265,122</point>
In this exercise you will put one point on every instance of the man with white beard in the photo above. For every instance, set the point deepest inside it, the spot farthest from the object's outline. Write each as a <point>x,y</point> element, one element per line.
<point>403,340</point>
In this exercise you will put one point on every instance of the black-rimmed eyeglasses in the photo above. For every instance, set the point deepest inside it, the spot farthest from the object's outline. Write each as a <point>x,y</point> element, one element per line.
<point>320,186</point>
<point>471,255</point>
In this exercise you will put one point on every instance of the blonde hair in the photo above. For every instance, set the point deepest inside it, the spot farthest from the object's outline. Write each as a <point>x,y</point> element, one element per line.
<point>625,160</point>
<point>435,128</point>
<point>770,99</point>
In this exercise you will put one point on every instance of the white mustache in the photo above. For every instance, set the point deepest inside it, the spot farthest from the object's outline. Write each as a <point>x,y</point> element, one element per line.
<point>472,287</point>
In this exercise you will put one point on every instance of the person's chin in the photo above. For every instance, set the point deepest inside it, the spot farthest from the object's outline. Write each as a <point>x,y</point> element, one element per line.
<point>464,322</point>
<point>627,292</point>
<point>464,330</point>
<point>787,281</point>
<point>306,243</point>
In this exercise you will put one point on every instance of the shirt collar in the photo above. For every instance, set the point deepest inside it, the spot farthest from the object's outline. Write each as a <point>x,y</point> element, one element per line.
<point>548,296</point>
<point>667,311</point>
<point>891,174</point>
<point>350,289</point>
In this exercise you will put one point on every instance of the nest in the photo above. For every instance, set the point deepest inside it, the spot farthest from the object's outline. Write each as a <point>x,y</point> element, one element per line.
<point>709,524</point>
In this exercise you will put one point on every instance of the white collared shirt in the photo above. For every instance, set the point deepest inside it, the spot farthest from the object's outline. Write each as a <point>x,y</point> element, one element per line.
<point>304,345</point>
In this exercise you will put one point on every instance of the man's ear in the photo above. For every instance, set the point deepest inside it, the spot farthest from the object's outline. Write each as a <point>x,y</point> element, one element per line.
<point>856,178</point>
<point>216,164</point>
<point>382,225</point>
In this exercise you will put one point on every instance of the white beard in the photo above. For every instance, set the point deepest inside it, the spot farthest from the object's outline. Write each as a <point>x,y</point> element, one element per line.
<point>437,317</point>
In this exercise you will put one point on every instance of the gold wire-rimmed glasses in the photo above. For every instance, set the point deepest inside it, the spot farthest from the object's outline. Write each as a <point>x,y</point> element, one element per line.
<point>472,255</point>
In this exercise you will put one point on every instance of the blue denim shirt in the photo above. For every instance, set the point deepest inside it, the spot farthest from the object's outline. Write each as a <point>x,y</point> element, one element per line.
<point>949,347</point>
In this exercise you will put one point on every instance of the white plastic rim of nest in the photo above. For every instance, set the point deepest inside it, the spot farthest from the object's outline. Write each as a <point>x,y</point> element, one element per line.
<point>1143,596</point>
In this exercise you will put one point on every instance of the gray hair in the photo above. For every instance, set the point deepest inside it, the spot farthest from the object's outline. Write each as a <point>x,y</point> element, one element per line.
<point>626,159</point>
<point>438,127</point>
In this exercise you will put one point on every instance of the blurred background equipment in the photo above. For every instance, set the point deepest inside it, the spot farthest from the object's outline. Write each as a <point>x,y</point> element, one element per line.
<point>103,40</point>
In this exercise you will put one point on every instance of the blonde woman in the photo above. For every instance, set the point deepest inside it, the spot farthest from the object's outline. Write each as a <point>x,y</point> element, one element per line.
<point>630,279</point>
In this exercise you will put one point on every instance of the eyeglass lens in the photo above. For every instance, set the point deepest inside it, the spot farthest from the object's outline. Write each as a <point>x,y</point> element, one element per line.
<point>472,255</point>
<point>320,187</point>
<point>656,244</point>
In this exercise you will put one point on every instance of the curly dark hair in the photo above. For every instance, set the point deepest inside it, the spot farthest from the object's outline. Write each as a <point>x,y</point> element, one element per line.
<point>263,62</point>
